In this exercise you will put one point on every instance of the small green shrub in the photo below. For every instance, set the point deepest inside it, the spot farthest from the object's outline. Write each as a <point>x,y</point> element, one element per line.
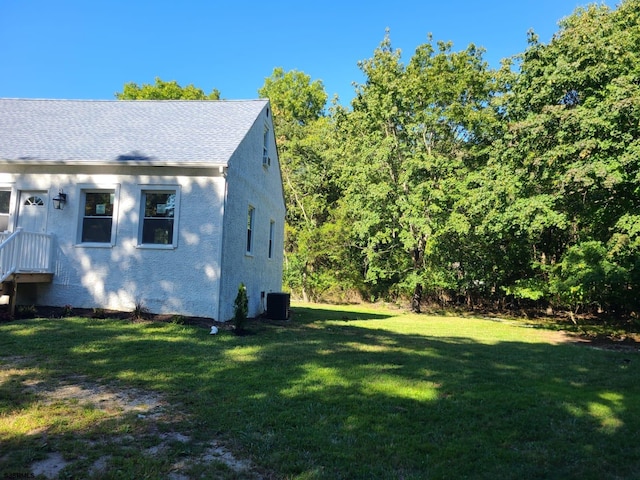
<point>140,312</point>
<point>27,311</point>
<point>67,310</point>
<point>241,309</point>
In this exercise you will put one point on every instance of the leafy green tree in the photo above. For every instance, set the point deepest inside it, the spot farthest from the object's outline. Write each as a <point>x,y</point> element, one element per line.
<point>305,138</point>
<point>586,276</point>
<point>162,90</point>
<point>295,99</point>
<point>413,134</point>
<point>572,147</point>
<point>298,107</point>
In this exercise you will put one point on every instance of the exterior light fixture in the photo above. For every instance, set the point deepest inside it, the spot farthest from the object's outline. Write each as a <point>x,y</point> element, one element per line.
<point>60,200</point>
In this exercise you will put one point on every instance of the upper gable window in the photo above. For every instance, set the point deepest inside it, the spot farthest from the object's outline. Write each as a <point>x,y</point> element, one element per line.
<point>266,158</point>
<point>159,208</point>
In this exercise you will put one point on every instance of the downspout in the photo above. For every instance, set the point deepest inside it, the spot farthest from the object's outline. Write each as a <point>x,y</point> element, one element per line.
<point>223,170</point>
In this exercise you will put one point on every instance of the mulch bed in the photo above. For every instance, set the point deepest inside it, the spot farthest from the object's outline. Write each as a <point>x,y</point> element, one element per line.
<point>98,313</point>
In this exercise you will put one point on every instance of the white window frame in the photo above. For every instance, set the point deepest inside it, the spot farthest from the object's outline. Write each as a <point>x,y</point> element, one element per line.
<point>162,189</point>
<point>7,214</point>
<point>113,189</point>
<point>251,229</point>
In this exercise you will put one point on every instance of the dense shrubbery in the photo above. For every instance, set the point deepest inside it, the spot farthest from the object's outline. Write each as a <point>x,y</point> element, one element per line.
<point>452,182</point>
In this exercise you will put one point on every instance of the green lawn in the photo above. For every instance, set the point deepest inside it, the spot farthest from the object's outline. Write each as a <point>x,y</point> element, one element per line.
<point>336,392</point>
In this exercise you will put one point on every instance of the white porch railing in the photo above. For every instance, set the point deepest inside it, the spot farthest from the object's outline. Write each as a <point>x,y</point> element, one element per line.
<point>25,252</point>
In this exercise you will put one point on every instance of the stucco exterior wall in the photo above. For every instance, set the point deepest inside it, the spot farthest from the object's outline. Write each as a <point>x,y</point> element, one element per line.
<point>250,183</point>
<point>183,280</point>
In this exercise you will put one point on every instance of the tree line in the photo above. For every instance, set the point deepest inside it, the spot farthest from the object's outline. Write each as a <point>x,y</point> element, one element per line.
<point>449,182</point>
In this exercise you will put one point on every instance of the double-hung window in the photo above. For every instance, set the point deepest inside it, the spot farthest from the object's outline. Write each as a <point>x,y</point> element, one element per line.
<point>98,207</point>
<point>159,217</point>
<point>5,198</point>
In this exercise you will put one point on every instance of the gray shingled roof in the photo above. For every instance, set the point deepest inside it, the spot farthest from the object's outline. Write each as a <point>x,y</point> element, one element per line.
<point>105,131</point>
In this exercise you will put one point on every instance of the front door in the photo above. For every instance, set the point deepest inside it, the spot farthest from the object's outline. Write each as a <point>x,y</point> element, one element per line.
<point>32,211</point>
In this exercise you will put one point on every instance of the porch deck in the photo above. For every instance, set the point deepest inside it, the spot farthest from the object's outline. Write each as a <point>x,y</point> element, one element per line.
<point>25,257</point>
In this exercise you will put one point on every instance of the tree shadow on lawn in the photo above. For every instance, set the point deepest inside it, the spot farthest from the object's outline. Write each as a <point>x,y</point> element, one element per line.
<point>305,315</point>
<point>351,402</point>
<point>363,404</point>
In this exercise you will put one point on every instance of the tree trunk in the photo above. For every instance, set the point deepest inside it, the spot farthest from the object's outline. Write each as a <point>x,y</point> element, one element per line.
<point>416,298</point>
<point>305,296</point>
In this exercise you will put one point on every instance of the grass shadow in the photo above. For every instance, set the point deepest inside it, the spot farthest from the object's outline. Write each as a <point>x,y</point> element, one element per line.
<point>305,315</point>
<point>339,400</point>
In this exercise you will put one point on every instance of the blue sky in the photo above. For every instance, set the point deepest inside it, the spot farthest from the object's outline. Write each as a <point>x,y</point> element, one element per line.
<point>88,49</point>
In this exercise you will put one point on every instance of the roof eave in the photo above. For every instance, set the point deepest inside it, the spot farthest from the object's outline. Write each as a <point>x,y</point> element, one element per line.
<point>111,163</point>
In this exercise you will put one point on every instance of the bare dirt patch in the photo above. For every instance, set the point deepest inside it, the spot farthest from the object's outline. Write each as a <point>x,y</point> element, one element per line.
<point>79,389</point>
<point>625,342</point>
<point>157,430</point>
<point>49,467</point>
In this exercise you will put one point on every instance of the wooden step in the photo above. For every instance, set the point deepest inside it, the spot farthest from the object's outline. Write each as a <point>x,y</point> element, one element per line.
<point>10,285</point>
<point>32,277</point>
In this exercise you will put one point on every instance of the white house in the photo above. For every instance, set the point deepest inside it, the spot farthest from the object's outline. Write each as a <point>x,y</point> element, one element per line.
<point>166,204</point>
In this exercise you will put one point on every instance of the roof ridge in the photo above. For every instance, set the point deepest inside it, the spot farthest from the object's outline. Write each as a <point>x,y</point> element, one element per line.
<point>104,100</point>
